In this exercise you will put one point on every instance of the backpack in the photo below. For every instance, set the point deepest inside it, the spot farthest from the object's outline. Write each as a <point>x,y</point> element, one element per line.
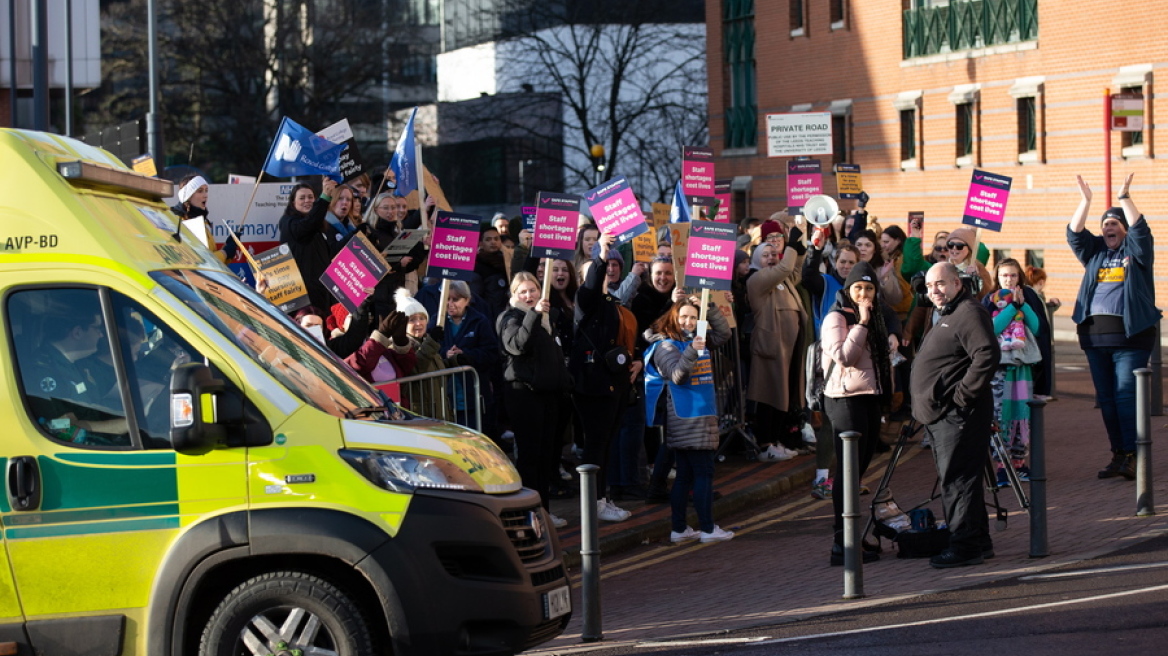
<point>815,377</point>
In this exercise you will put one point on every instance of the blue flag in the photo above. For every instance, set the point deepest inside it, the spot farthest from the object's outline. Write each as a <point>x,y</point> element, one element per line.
<point>679,211</point>
<point>404,163</point>
<point>297,151</point>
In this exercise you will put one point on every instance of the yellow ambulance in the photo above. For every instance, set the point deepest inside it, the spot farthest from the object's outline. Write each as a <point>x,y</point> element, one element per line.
<point>187,472</point>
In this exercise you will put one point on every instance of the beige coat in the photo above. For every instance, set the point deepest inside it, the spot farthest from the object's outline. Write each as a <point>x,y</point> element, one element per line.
<point>776,377</point>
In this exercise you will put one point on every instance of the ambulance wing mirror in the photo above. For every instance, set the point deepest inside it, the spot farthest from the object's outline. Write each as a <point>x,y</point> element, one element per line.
<point>207,413</point>
<point>193,426</point>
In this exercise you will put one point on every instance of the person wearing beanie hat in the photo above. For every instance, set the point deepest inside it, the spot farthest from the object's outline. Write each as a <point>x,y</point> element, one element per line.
<point>425,347</point>
<point>193,191</point>
<point>858,378</point>
<point>1115,314</point>
<point>776,381</point>
<point>624,290</point>
<point>961,246</point>
<point>770,227</point>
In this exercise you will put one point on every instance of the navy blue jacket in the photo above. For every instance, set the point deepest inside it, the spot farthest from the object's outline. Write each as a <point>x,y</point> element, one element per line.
<point>1139,289</point>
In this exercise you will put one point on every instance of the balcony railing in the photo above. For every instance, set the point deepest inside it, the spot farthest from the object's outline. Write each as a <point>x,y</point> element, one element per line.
<point>966,24</point>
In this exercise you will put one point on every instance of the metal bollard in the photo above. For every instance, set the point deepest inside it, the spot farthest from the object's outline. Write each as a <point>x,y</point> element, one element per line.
<point>1145,503</point>
<point>853,558</point>
<point>1039,544</point>
<point>589,555</point>
<point>1157,380</point>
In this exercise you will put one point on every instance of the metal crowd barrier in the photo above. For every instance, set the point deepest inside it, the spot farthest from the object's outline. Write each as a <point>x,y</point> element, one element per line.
<point>730,396</point>
<point>437,395</point>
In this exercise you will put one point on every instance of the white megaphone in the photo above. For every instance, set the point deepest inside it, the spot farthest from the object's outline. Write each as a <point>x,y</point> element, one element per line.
<point>820,209</point>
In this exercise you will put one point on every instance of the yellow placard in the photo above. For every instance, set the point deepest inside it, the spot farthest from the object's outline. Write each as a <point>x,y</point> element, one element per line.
<point>848,182</point>
<point>144,164</point>
<point>645,247</point>
<point>286,288</point>
<point>678,240</point>
<point>661,214</point>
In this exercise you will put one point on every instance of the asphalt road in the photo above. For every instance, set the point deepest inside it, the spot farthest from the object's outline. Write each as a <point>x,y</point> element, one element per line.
<point>1116,604</point>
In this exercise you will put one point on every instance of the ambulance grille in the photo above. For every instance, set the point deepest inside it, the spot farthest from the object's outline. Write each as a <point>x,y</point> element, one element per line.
<point>528,533</point>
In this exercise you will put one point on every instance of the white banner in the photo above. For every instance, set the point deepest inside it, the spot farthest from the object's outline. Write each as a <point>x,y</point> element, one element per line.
<point>226,204</point>
<point>794,135</point>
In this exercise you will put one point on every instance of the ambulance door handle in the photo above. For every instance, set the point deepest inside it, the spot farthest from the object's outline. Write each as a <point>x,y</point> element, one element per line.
<point>24,483</point>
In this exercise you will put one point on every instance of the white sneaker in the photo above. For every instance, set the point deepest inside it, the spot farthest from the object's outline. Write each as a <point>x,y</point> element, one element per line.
<point>808,434</point>
<point>608,512</point>
<point>716,535</point>
<point>775,453</point>
<point>558,522</point>
<point>685,536</point>
<point>672,474</point>
<point>564,475</point>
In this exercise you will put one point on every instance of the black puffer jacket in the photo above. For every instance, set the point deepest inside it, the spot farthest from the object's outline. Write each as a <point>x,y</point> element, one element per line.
<point>597,328</point>
<point>531,354</point>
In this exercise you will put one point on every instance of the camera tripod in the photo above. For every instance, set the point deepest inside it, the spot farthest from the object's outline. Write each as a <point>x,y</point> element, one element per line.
<point>997,446</point>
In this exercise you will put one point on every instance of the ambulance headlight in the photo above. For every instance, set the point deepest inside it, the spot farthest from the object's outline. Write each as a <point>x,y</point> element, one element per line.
<point>406,472</point>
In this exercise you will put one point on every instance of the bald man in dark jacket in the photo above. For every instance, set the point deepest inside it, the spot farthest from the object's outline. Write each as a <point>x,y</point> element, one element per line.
<point>951,395</point>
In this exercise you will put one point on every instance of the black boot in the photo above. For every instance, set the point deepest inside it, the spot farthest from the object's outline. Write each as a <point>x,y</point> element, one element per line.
<point>1127,466</point>
<point>1113,467</point>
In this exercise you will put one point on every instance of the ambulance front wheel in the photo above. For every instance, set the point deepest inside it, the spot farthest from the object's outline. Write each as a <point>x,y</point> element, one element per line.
<point>286,613</point>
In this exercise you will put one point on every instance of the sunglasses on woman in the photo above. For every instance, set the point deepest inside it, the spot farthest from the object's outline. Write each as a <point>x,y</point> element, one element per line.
<point>956,246</point>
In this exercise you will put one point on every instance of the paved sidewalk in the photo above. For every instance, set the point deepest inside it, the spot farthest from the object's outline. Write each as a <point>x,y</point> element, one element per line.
<point>776,569</point>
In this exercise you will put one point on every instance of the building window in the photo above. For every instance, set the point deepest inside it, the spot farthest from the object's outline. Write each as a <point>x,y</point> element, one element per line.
<point>798,17</point>
<point>908,135</point>
<point>1027,126</point>
<point>964,131</point>
<point>1027,93</point>
<point>841,131</point>
<point>998,254</point>
<point>738,75</point>
<point>836,11</point>
<point>964,98</point>
<point>1036,257</point>
<point>908,104</point>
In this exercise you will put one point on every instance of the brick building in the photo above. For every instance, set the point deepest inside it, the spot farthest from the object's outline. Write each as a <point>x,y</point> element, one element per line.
<point>923,91</point>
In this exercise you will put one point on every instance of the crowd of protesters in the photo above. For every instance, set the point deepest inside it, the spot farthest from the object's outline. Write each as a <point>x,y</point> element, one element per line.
<point>611,369</point>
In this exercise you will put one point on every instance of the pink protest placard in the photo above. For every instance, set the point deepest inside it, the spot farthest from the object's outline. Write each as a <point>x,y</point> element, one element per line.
<point>615,209</point>
<point>697,171</point>
<point>804,180</point>
<point>454,246</point>
<point>985,206</point>
<point>354,272</point>
<point>556,217</point>
<point>722,193</point>
<point>709,262</point>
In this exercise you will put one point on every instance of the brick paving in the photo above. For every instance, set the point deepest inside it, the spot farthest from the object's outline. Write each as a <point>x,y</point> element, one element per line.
<point>776,568</point>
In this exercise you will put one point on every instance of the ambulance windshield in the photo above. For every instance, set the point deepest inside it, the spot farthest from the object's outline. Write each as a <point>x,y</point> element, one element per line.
<point>303,365</point>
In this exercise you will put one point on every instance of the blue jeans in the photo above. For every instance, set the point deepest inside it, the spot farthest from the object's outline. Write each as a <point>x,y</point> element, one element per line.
<point>695,471</point>
<point>1115,391</point>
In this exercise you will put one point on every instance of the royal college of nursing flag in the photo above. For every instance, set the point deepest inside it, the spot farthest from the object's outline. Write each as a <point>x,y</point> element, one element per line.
<point>679,211</point>
<point>297,151</point>
<point>403,163</point>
